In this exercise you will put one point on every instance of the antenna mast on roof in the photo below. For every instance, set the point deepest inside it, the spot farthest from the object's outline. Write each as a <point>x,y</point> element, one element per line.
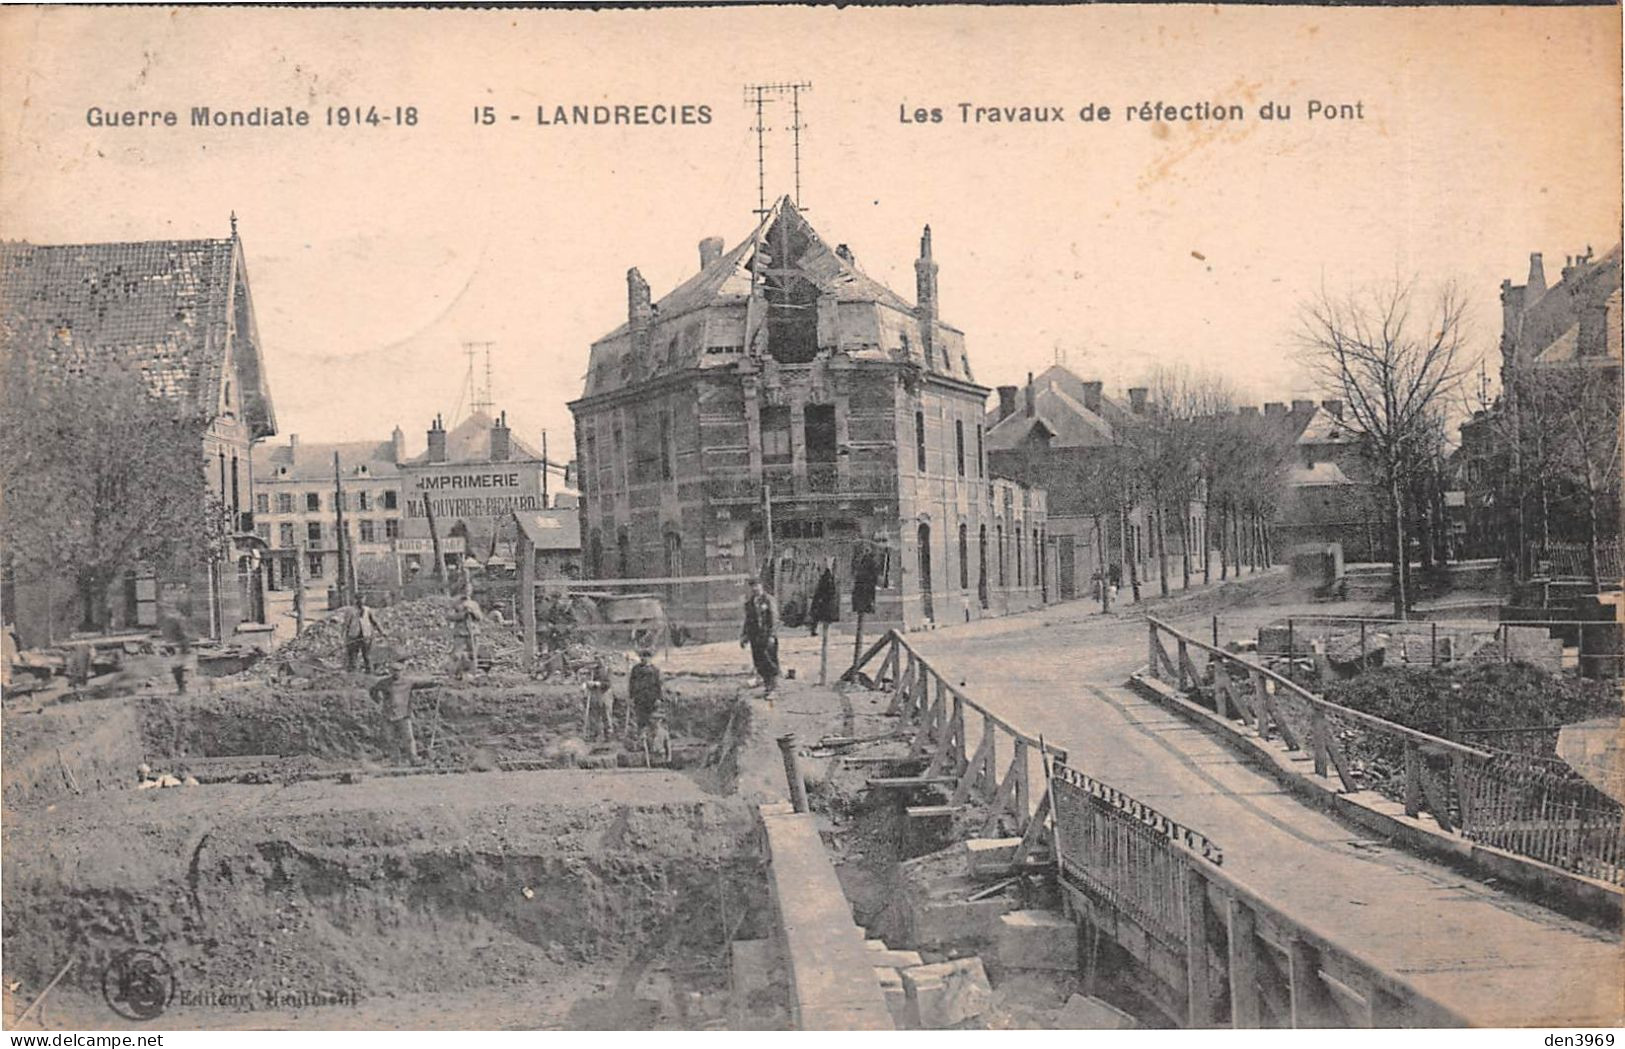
<point>479,399</point>
<point>759,95</point>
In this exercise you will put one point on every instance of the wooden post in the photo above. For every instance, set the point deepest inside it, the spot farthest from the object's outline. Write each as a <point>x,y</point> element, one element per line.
<point>1156,671</point>
<point>1434,644</point>
<point>1199,1011</point>
<point>823,654</point>
<point>1413,779</point>
<point>857,642</point>
<point>1317,736</point>
<point>1246,1002</point>
<point>299,589</point>
<point>338,516</point>
<point>526,552</point>
<point>1362,646</point>
<point>434,539</point>
<point>1311,1000</point>
<point>1184,661</point>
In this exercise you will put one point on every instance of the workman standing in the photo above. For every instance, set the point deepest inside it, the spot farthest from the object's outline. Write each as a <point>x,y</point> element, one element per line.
<point>466,617</point>
<point>394,692</point>
<point>761,634</point>
<point>360,627</point>
<point>644,689</point>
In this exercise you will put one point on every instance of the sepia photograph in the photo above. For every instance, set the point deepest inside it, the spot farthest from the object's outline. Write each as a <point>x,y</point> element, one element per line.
<point>806,518</point>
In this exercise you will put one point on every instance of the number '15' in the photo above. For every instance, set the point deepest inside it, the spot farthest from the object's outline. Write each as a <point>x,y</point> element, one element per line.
<point>485,115</point>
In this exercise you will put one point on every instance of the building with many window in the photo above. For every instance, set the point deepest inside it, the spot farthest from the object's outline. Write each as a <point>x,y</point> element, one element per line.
<point>296,506</point>
<point>782,413</point>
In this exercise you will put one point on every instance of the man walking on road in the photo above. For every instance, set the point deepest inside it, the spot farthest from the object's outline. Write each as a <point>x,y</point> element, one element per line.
<point>761,634</point>
<point>360,626</point>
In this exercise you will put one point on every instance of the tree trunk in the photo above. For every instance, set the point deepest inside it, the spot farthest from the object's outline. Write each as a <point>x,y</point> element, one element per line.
<point>1207,545</point>
<point>1224,543</point>
<point>1160,537</point>
<point>1397,518</point>
<point>1130,556</point>
<point>1105,577</point>
<point>1592,550</point>
<point>1185,545</point>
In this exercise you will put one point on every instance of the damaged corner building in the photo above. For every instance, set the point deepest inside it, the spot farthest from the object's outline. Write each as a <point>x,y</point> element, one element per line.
<point>780,413</point>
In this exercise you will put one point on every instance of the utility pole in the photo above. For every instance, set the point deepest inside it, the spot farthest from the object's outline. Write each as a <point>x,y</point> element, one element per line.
<point>338,511</point>
<point>544,469</point>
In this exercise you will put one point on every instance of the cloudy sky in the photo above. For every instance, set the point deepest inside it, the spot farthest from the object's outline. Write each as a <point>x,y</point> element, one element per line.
<point>375,252</point>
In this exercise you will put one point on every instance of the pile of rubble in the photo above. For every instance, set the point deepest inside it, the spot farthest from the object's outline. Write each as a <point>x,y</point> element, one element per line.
<point>419,632</point>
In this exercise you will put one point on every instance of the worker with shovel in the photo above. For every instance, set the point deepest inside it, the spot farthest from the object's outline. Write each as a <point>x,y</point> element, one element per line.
<point>393,692</point>
<point>360,627</point>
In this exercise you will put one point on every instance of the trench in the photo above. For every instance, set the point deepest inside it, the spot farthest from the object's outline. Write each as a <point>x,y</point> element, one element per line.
<point>561,893</point>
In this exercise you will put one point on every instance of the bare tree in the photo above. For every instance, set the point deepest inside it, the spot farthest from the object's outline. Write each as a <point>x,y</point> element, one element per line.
<point>1391,352</point>
<point>1581,411</point>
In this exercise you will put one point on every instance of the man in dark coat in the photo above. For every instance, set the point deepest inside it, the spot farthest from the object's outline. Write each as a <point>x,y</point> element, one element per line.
<point>644,689</point>
<point>761,633</point>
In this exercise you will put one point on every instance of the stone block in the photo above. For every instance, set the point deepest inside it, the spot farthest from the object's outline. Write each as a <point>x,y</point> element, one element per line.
<point>956,922</point>
<point>991,856</point>
<point>947,993</point>
<point>891,985</point>
<point>896,959</point>
<point>1082,1013</point>
<point>1038,940</point>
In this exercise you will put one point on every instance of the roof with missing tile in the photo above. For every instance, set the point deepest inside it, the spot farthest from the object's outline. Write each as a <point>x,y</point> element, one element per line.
<point>176,311</point>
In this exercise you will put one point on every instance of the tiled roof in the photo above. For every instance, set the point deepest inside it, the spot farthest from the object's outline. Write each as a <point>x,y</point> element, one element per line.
<point>1320,474</point>
<point>707,320</point>
<point>1549,317</point>
<point>163,307</point>
<point>470,442</point>
<point>1058,402</point>
<point>314,462</point>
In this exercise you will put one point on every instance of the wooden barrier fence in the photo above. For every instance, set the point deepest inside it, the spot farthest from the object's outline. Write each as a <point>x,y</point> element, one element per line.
<point>1465,790</point>
<point>940,711</point>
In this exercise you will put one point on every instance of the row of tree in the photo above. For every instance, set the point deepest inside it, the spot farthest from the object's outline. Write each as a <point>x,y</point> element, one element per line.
<point>1188,447</point>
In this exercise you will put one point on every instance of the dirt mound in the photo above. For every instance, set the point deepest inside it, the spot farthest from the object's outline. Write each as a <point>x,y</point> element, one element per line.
<point>432,887</point>
<point>418,631</point>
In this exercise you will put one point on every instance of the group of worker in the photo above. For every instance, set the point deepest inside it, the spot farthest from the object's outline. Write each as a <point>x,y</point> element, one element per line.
<point>646,698</point>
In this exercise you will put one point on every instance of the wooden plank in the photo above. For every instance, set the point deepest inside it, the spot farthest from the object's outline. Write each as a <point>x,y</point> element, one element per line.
<point>1317,737</point>
<point>974,770</point>
<point>1246,1000</point>
<point>926,812</point>
<point>1200,1011</point>
<point>1438,804</point>
<point>1413,779</point>
<point>1312,1004</point>
<point>907,782</point>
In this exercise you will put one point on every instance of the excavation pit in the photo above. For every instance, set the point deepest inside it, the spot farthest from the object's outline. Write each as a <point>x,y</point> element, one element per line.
<point>543,899</point>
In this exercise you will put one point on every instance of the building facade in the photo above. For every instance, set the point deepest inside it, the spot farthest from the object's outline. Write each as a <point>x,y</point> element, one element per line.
<point>469,481</point>
<point>180,314</point>
<point>296,507</point>
<point>1524,495</point>
<point>780,413</point>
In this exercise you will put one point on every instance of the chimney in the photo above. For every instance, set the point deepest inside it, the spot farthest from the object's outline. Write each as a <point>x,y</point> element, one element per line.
<point>1091,396</point>
<point>1334,407</point>
<point>925,294</point>
<point>1537,275</point>
<point>1512,299</point>
<point>1007,402</point>
<point>1274,409</point>
<point>1249,411</point>
<point>710,252</point>
<point>501,439</point>
<point>398,441</point>
<point>845,253</point>
<point>437,441</point>
<point>1136,399</point>
<point>639,312</point>
<point>1032,407</point>
<point>293,442</point>
<point>1302,407</point>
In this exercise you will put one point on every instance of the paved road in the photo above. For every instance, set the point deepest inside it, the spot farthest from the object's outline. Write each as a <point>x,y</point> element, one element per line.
<point>1484,954</point>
